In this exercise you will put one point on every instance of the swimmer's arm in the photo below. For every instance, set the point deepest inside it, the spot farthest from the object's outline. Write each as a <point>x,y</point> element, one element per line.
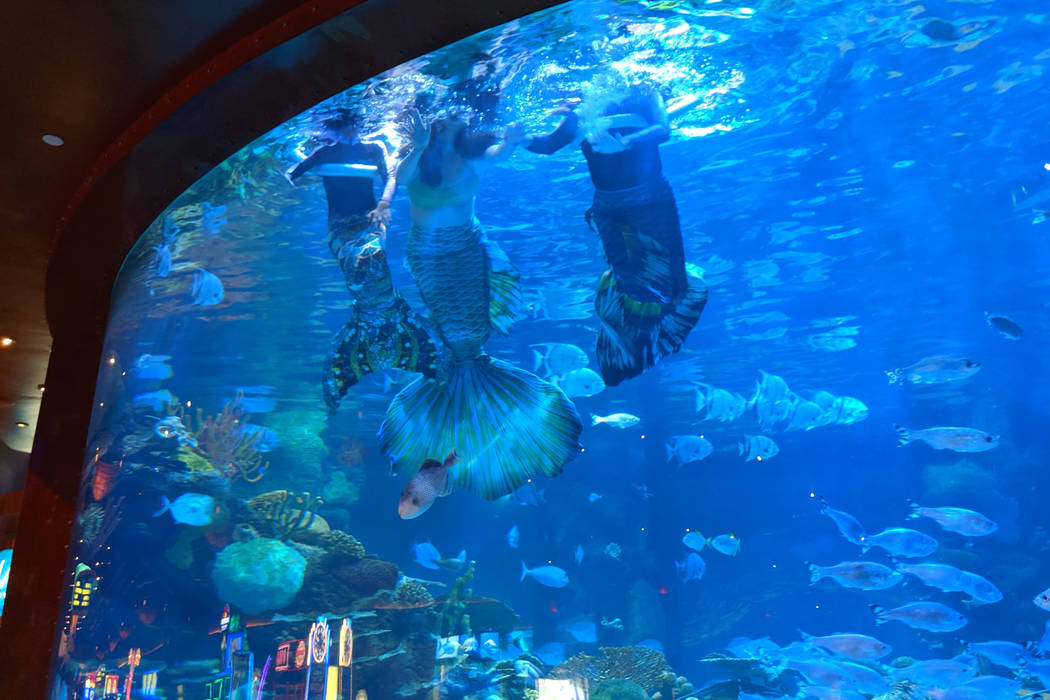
<point>302,167</point>
<point>408,168</point>
<point>388,172</point>
<point>512,136</point>
<point>557,139</point>
<point>659,129</point>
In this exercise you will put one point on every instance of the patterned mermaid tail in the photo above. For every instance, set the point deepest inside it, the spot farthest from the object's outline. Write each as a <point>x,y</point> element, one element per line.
<point>647,302</point>
<point>635,335</point>
<point>506,424</point>
<point>383,331</point>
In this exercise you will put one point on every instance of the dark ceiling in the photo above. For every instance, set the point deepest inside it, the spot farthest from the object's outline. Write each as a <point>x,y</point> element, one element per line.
<point>84,72</point>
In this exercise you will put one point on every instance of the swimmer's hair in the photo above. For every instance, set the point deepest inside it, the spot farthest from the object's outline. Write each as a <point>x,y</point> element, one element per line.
<point>343,119</point>
<point>469,145</point>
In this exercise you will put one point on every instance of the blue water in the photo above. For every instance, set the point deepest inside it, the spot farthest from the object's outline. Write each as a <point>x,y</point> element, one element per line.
<point>859,183</point>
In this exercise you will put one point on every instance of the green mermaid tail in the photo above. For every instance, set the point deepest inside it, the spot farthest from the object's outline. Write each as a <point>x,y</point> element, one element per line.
<point>383,331</point>
<point>506,424</point>
<point>364,345</point>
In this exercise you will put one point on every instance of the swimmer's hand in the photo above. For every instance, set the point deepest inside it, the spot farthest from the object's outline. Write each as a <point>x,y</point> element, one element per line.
<point>604,142</point>
<point>514,133</point>
<point>380,216</point>
<point>420,130</point>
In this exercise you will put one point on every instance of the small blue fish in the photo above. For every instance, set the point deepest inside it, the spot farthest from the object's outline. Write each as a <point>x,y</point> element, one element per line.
<point>692,568</point>
<point>207,289</point>
<point>688,448</point>
<point>427,555</point>
<point>157,400</point>
<point>579,553</point>
<point>726,544</point>
<point>592,497</point>
<point>213,219</point>
<point>195,509</point>
<point>1007,327</point>
<point>694,540</point>
<point>152,367</point>
<point>512,537</point>
<point>758,447</point>
<point>848,526</point>
<point>548,575</point>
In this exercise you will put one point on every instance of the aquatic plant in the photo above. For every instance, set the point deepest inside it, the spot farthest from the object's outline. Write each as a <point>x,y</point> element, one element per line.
<point>222,440</point>
<point>640,665</point>
<point>454,617</point>
<point>285,511</point>
<point>96,526</point>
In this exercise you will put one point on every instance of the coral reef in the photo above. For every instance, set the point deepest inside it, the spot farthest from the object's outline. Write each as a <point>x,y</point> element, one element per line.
<point>328,589</point>
<point>258,575</point>
<point>223,442</point>
<point>640,665</point>
<point>411,593</point>
<point>619,689</point>
<point>286,513</point>
<point>341,547</point>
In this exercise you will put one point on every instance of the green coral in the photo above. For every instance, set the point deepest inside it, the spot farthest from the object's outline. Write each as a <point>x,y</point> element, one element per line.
<point>619,689</point>
<point>412,594</point>
<point>454,618</point>
<point>341,547</point>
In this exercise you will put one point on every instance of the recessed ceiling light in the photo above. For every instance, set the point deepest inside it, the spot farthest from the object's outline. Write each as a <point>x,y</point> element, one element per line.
<point>22,424</point>
<point>52,140</point>
<point>6,341</point>
<point>40,387</point>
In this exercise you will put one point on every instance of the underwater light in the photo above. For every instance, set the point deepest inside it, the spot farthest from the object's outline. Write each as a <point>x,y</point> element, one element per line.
<point>52,140</point>
<point>7,341</point>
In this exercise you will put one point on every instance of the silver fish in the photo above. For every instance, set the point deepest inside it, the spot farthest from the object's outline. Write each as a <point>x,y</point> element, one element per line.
<point>925,615</point>
<point>935,369</point>
<point>961,520</point>
<point>949,438</point>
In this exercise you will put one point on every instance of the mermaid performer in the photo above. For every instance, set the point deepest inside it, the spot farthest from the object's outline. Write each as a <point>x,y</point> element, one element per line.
<point>647,302</point>
<point>383,331</point>
<point>506,424</point>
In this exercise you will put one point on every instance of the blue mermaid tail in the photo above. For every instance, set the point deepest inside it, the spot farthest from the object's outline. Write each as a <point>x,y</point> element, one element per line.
<point>507,424</point>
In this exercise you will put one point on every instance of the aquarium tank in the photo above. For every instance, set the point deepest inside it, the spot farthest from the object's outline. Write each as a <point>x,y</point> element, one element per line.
<point>631,349</point>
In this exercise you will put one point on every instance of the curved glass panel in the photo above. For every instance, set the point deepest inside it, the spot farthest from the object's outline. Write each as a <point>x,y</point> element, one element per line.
<point>489,442</point>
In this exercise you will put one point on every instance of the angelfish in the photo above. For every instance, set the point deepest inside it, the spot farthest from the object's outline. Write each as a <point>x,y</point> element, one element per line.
<point>430,482</point>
